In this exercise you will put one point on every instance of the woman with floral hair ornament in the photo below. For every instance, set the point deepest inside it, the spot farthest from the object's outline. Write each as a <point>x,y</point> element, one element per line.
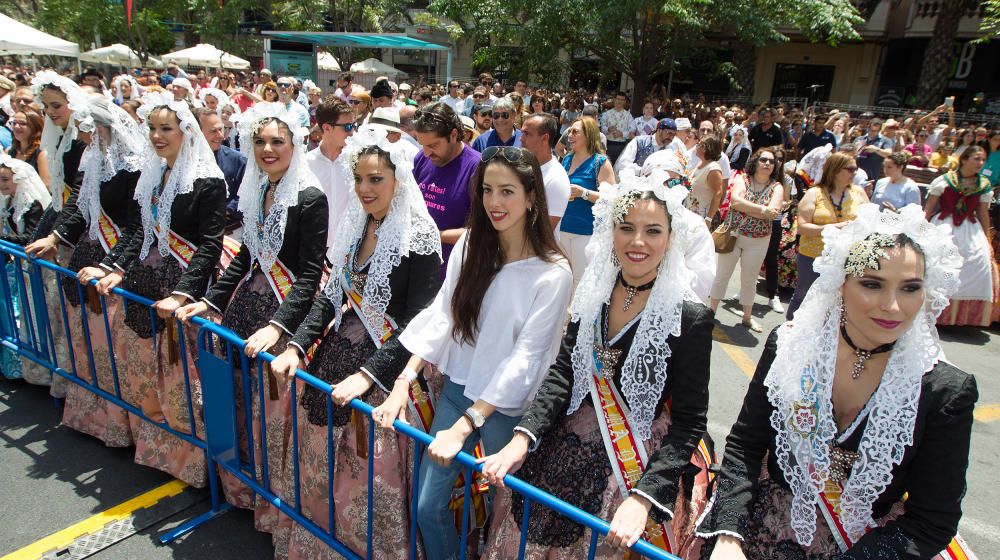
<point>115,153</point>
<point>634,361</point>
<point>268,288</point>
<point>962,198</point>
<point>169,257</point>
<point>492,331</point>
<point>386,263</point>
<point>864,427</point>
<point>23,199</point>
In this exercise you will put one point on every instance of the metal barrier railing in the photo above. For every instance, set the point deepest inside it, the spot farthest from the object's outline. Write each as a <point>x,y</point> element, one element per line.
<point>220,357</point>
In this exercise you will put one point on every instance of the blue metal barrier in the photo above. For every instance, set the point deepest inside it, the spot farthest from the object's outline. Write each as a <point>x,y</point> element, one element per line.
<point>220,355</point>
<point>40,349</point>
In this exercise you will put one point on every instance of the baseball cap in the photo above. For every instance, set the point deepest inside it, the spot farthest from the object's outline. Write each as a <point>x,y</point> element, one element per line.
<point>666,124</point>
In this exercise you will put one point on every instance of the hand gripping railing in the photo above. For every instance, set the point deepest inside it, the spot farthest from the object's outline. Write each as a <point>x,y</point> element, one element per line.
<point>217,367</point>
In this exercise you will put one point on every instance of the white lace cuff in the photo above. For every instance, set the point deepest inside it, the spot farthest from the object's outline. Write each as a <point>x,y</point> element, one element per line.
<point>280,326</point>
<point>210,304</point>
<point>534,440</point>
<point>718,534</point>
<point>656,504</point>
<point>62,239</point>
<point>189,296</point>
<point>373,378</point>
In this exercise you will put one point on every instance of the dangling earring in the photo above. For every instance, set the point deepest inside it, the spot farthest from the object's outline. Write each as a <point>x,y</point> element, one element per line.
<point>843,315</point>
<point>534,215</point>
<point>614,259</point>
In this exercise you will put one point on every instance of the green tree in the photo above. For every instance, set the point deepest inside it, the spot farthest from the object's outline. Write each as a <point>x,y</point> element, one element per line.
<point>941,50</point>
<point>636,37</point>
<point>88,22</point>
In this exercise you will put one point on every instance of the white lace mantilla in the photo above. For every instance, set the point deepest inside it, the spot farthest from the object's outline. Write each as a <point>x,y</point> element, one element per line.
<point>56,141</point>
<point>644,372</point>
<point>218,94</point>
<point>406,228</point>
<point>194,161</point>
<point>136,92</point>
<point>800,381</point>
<point>264,235</point>
<point>118,144</point>
<point>29,189</point>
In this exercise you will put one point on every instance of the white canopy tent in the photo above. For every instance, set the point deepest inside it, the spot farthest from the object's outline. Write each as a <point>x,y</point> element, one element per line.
<point>20,39</point>
<point>120,55</point>
<point>367,70</point>
<point>325,61</point>
<point>207,56</point>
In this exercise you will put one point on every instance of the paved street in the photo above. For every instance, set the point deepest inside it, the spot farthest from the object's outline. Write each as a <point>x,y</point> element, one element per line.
<point>52,478</point>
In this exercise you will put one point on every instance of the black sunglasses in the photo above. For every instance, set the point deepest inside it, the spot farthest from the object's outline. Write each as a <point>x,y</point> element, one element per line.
<point>510,153</point>
<point>503,115</point>
<point>348,127</point>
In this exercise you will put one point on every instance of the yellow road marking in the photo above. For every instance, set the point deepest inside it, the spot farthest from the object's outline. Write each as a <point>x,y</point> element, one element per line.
<point>62,539</point>
<point>987,412</point>
<point>735,353</point>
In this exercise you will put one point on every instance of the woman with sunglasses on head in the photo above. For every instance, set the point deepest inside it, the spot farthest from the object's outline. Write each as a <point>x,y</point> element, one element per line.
<point>853,439</point>
<point>26,127</point>
<point>169,255</point>
<point>962,199</point>
<point>386,257</point>
<point>492,331</point>
<point>756,199</point>
<point>587,167</point>
<point>116,151</point>
<point>267,290</point>
<point>633,363</point>
<point>830,203</point>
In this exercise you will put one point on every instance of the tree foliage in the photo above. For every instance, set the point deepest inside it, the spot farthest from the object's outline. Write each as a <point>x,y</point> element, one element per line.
<point>635,36</point>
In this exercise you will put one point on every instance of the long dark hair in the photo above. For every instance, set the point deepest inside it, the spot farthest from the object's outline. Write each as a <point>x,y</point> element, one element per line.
<point>483,259</point>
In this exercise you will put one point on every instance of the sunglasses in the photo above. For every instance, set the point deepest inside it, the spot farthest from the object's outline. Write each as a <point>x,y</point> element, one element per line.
<point>766,161</point>
<point>272,90</point>
<point>852,169</point>
<point>284,85</point>
<point>354,101</point>
<point>510,153</point>
<point>478,96</point>
<point>348,127</point>
<point>503,115</point>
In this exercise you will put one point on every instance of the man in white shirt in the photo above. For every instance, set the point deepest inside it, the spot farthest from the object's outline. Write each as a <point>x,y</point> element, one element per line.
<point>693,160</point>
<point>679,144</point>
<point>345,86</point>
<point>336,121</point>
<point>286,96</point>
<point>618,125</point>
<point>539,133</point>
<point>454,98</point>
<point>387,118</point>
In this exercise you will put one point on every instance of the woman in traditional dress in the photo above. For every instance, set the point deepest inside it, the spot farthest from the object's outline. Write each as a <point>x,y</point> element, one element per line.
<point>126,89</point>
<point>638,341</point>
<point>169,257</point>
<point>386,263</point>
<point>267,290</point>
<point>962,199</point>
<point>62,99</point>
<point>97,222</point>
<point>853,439</point>
<point>23,199</point>
<point>509,289</point>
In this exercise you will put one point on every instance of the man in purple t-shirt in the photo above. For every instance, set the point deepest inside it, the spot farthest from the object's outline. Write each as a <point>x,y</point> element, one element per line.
<point>444,170</point>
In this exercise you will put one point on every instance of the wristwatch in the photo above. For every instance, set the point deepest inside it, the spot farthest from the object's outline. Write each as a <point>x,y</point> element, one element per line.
<point>475,417</point>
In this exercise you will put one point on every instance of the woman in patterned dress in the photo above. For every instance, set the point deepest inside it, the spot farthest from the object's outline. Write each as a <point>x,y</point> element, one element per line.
<point>639,336</point>
<point>386,262</point>
<point>267,290</point>
<point>169,257</point>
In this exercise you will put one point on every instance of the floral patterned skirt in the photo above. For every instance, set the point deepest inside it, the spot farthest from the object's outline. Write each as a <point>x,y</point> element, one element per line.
<point>572,464</point>
<point>85,411</point>
<point>340,354</point>
<point>251,308</point>
<point>787,250</point>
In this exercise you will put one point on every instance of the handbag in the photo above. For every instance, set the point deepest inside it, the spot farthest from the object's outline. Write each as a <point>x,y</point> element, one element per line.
<point>724,238</point>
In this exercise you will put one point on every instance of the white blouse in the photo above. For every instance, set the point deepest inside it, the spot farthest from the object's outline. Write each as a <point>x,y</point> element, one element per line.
<point>520,328</point>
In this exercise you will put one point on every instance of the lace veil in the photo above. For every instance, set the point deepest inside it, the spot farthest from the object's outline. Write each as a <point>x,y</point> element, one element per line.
<point>407,227</point>
<point>194,161</point>
<point>644,371</point>
<point>118,144</point>
<point>29,189</point>
<point>264,235</point>
<point>800,380</point>
<point>55,141</point>
<point>136,92</point>
<point>216,93</point>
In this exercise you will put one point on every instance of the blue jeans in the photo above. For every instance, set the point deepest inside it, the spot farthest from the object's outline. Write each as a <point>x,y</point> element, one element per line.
<point>436,522</point>
<point>806,277</point>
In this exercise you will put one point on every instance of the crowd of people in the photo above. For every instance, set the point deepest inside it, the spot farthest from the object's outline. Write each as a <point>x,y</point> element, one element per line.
<point>527,276</point>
